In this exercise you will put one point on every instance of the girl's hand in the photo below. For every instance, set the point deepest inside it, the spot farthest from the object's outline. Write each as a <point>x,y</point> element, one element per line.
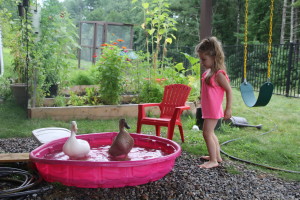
<point>227,114</point>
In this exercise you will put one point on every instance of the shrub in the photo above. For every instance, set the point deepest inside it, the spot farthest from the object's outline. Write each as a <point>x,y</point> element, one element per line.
<point>92,96</point>
<point>5,92</point>
<point>111,67</point>
<point>83,77</point>
<point>151,92</point>
<point>76,100</point>
<point>59,101</point>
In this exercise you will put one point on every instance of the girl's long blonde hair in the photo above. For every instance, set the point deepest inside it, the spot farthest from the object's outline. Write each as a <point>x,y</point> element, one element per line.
<point>211,46</point>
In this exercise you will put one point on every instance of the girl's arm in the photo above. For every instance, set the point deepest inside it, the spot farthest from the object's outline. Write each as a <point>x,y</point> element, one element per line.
<point>222,80</point>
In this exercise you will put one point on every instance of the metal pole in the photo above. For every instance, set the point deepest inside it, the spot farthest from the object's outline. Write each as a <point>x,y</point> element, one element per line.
<point>288,74</point>
<point>27,54</point>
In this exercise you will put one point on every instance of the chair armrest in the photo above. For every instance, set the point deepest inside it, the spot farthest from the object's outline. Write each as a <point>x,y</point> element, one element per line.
<point>183,107</point>
<point>178,111</point>
<point>141,109</point>
<point>148,104</point>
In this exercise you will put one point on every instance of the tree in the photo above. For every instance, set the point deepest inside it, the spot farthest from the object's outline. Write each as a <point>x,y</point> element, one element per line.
<point>283,22</point>
<point>225,20</point>
<point>186,13</point>
<point>259,19</point>
<point>101,10</point>
<point>76,9</point>
<point>8,12</point>
<point>296,6</point>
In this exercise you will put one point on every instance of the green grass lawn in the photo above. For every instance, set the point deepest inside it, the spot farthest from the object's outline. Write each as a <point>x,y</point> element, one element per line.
<point>279,148</point>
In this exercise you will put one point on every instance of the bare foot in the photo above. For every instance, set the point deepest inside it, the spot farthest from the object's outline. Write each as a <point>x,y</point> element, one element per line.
<point>208,165</point>
<point>208,158</point>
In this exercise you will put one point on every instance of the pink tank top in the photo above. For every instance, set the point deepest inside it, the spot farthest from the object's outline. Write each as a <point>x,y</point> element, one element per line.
<point>212,97</point>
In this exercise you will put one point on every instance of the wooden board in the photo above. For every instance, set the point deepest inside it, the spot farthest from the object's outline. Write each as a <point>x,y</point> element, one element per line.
<point>14,157</point>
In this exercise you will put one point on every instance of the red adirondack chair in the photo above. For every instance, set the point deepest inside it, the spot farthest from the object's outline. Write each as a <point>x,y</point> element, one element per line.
<point>171,108</point>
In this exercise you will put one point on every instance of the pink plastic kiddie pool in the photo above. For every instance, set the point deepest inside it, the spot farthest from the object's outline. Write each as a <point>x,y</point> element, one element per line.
<point>151,159</point>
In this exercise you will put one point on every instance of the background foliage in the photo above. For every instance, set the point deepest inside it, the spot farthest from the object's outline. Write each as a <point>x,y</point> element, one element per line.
<point>228,18</point>
<point>60,22</point>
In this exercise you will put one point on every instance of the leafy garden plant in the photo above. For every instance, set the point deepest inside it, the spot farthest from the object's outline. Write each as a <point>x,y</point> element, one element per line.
<point>83,77</point>
<point>159,27</point>
<point>60,101</point>
<point>76,100</point>
<point>112,65</point>
<point>151,92</point>
<point>92,97</point>
<point>19,56</point>
<point>51,49</point>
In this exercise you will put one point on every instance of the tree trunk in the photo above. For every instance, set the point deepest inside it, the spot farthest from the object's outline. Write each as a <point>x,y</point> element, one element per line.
<point>292,22</point>
<point>238,21</point>
<point>205,23</point>
<point>283,22</point>
<point>205,19</point>
<point>296,24</point>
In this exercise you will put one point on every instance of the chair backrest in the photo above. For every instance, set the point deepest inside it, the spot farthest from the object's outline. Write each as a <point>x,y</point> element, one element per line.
<point>175,95</point>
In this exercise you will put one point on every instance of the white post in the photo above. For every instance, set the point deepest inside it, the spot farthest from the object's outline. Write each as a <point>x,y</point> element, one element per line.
<point>36,20</point>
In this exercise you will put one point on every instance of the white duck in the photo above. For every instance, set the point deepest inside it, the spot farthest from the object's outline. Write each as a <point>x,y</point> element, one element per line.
<point>76,148</point>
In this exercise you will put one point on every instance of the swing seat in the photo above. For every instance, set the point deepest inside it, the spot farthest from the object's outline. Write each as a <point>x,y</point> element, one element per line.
<point>264,96</point>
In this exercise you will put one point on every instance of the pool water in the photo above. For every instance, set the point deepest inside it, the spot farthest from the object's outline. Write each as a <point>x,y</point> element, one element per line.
<point>101,154</point>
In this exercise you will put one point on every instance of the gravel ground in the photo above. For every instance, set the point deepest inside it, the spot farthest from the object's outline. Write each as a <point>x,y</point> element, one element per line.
<point>185,181</point>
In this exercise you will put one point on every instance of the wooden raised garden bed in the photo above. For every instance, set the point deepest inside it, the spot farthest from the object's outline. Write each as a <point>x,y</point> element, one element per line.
<point>92,112</point>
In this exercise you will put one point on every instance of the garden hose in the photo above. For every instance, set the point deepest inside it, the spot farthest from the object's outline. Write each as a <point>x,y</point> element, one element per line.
<point>22,177</point>
<point>252,163</point>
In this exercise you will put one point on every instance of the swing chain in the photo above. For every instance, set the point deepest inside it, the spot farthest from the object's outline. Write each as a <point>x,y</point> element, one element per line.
<point>246,41</point>
<point>270,39</point>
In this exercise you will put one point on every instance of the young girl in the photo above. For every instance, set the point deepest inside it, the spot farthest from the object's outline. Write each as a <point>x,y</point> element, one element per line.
<point>214,83</point>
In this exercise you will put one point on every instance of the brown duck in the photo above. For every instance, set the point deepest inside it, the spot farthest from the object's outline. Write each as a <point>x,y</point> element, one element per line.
<point>123,142</point>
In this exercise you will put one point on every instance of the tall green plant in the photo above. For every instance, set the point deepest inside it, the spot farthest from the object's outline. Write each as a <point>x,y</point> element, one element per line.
<point>50,50</point>
<point>111,67</point>
<point>18,53</point>
<point>158,25</point>
<point>194,77</point>
<point>177,73</point>
<point>58,42</point>
<point>13,31</point>
<point>136,74</point>
<point>151,92</point>
<point>7,13</point>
